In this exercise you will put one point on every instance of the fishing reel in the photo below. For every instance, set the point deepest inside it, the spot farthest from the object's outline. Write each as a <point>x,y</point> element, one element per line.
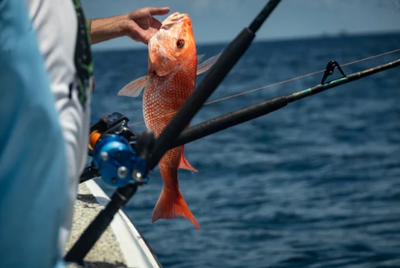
<point>112,144</point>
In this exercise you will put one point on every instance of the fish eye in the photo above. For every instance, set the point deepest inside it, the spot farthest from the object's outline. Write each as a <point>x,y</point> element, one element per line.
<point>180,43</point>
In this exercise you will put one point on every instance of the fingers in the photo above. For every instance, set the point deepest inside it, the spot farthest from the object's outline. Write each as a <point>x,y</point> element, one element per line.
<point>158,10</point>
<point>142,26</point>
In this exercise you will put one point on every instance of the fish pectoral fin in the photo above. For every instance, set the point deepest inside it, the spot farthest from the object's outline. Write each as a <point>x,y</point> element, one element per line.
<point>184,164</point>
<point>207,64</point>
<point>171,204</point>
<point>134,88</point>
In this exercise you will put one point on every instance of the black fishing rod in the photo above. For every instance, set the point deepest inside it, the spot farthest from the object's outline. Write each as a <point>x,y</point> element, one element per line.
<point>152,150</point>
<point>239,116</point>
<point>254,111</point>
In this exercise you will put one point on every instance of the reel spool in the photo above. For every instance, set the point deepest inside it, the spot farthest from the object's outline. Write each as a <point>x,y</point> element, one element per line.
<point>112,145</point>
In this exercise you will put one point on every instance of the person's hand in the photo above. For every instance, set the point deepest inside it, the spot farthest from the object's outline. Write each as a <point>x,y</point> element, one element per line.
<point>141,25</point>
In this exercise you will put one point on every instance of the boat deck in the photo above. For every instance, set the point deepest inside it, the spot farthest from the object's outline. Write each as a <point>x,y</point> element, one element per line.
<point>122,245</point>
<point>106,252</point>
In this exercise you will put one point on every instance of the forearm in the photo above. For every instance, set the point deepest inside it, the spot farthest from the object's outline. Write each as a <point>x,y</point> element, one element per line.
<point>104,29</point>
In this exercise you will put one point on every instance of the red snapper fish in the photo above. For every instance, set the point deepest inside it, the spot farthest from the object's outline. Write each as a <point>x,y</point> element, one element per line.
<point>171,78</point>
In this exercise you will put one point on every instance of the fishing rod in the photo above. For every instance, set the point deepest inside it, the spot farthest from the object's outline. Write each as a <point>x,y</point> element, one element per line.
<point>248,113</point>
<point>148,150</point>
<point>119,124</point>
<point>265,107</point>
<point>239,116</point>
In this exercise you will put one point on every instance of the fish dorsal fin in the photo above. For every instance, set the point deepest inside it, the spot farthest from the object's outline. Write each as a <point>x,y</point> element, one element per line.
<point>206,65</point>
<point>200,57</point>
<point>134,88</point>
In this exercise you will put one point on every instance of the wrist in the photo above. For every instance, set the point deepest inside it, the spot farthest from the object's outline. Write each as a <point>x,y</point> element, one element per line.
<point>104,29</point>
<point>121,24</point>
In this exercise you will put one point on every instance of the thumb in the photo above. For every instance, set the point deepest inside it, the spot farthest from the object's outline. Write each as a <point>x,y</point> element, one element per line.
<point>141,36</point>
<point>158,10</point>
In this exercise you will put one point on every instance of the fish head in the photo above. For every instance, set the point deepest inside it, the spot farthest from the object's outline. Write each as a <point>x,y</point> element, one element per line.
<point>173,46</point>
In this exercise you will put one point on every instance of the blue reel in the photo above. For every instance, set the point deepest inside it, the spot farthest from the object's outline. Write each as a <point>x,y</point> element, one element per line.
<point>116,160</point>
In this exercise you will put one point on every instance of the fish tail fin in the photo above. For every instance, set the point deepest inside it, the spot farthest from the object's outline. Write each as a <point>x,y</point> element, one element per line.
<point>171,204</point>
<point>184,164</point>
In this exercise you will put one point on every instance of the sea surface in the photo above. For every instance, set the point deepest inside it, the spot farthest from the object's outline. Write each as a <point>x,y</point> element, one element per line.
<point>315,184</point>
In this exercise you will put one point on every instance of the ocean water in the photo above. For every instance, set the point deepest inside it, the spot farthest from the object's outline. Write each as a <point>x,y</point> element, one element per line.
<point>315,184</point>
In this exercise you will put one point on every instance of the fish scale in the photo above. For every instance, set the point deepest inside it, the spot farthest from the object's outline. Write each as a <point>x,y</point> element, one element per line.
<point>169,99</point>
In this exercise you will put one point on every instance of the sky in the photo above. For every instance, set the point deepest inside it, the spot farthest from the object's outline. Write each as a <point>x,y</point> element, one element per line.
<point>216,21</point>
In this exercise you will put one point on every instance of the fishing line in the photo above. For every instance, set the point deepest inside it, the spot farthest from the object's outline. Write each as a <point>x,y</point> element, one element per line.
<point>298,77</point>
<point>282,82</point>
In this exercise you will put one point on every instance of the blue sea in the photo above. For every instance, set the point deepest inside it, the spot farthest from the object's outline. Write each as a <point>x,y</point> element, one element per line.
<point>315,184</point>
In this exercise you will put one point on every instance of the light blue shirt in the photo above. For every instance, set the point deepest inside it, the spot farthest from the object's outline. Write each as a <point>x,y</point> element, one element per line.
<point>33,176</point>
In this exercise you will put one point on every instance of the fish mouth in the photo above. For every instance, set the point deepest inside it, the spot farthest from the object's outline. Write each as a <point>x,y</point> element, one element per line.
<point>173,19</point>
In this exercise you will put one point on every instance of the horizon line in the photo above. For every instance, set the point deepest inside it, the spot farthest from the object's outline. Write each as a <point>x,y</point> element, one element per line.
<point>263,40</point>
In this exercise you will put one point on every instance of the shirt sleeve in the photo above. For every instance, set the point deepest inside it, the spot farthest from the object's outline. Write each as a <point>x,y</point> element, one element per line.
<point>63,41</point>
